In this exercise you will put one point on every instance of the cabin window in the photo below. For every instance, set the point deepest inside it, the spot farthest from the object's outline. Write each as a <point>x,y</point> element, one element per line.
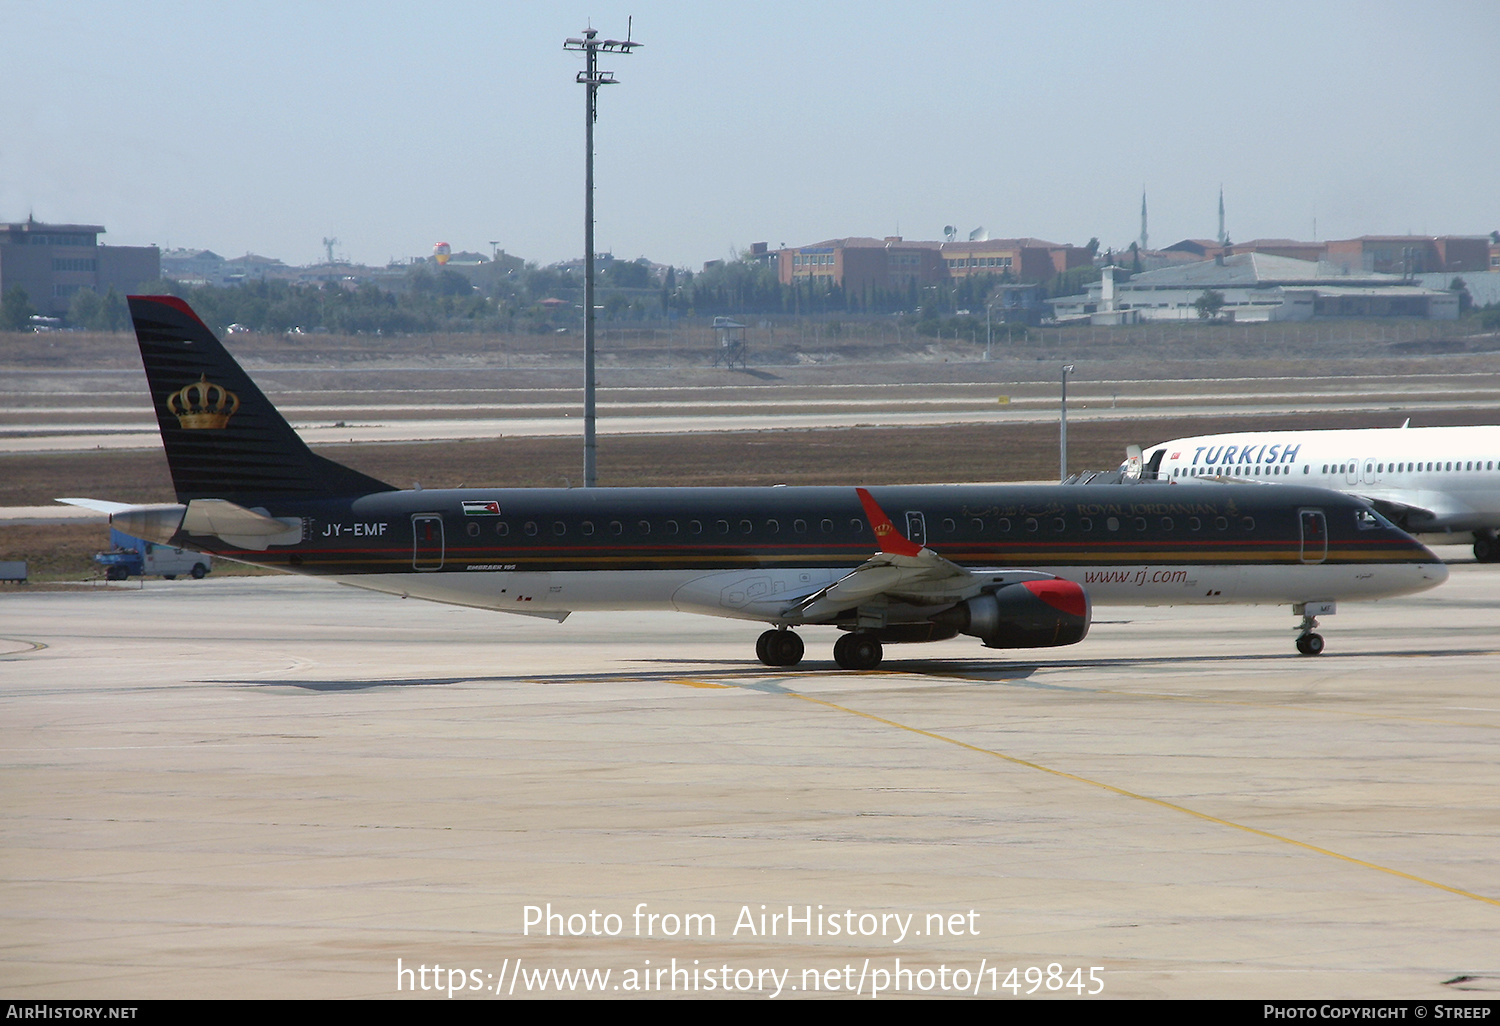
<point>1140,523</point>
<point>1469,466</point>
<point>1166,523</point>
<point>559,528</point>
<point>695,527</point>
<point>1113,523</point>
<point>827,526</point>
<point>1221,523</point>
<point>1085,524</point>
<point>671,527</point>
<point>1059,525</point>
<point>746,527</point>
<point>949,526</point>
<point>978,525</point>
<point>1248,523</point>
<point>1031,524</point>
<point>530,528</point>
<point>472,528</point>
<point>1003,525</point>
<point>800,526</point>
<point>586,528</point>
<point>857,526</point>
<point>772,527</point>
<point>643,527</point>
<point>502,529</point>
<point>723,526</point>
<point>1307,470</point>
<point>1194,524</point>
<point>616,528</point>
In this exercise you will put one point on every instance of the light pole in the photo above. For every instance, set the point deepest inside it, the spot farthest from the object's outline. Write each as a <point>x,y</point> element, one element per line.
<point>989,335</point>
<point>1063,434</point>
<point>591,78</point>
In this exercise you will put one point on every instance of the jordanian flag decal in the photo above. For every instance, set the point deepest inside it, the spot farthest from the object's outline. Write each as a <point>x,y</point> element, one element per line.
<point>481,509</point>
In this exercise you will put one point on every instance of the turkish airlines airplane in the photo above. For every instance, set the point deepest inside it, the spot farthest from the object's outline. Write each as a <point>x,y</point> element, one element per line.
<point>1024,565</point>
<point>1430,481</point>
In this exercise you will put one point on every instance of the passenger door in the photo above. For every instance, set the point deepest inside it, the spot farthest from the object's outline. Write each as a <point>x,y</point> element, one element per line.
<point>427,549</point>
<point>1314,535</point>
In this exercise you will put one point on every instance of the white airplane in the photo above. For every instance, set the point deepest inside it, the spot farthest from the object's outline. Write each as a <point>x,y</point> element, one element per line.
<point>1430,481</point>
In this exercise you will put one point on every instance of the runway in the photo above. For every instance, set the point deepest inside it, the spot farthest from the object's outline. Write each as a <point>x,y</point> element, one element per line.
<point>36,416</point>
<point>275,787</point>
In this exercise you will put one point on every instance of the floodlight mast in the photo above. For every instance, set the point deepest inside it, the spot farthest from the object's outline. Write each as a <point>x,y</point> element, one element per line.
<point>591,78</point>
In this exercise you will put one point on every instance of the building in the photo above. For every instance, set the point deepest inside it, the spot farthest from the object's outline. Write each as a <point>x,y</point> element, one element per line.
<point>53,261</point>
<point>1255,287</point>
<point>1026,260</point>
<point>893,264</point>
<point>863,264</point>
<point>1412,254</point>
<point>193,266</point>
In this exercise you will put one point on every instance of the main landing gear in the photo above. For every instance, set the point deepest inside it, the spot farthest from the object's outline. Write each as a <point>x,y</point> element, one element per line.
<point>1486,547</point>
<point>779,648</point>
<point>853,651</point>
<point>857,651</point>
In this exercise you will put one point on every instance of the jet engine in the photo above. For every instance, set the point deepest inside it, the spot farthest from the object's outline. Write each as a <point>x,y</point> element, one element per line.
<point>1026,614</point>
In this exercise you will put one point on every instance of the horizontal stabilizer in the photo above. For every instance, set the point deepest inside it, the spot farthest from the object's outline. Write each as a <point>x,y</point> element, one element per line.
<point>241,527</point>
<point>98,505</point>
<point>157,523</point>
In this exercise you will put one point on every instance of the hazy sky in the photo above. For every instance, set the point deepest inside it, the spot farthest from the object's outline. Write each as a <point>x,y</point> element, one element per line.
<point>265,125</point>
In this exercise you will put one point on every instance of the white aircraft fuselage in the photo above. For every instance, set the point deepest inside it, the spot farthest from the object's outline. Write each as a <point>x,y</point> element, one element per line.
<point>1430,481</point>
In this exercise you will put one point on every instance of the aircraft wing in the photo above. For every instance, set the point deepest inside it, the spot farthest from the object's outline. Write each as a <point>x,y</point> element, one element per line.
<point>901,570</point>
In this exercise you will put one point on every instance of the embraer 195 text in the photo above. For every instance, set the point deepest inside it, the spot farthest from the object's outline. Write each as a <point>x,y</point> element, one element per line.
<point>1023,565</point>
<point>1429,481</point>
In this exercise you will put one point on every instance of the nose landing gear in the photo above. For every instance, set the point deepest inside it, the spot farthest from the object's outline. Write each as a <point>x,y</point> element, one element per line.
<point>1309,642</point>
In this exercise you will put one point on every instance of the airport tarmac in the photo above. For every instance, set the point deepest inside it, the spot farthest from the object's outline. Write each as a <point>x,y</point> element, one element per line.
<point>277,787</point>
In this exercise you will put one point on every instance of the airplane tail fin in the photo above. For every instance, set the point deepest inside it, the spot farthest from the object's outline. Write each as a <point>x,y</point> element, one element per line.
<point>224,439</point>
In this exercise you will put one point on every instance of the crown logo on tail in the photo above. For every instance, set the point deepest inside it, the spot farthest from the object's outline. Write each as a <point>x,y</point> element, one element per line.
<point>203,404</point>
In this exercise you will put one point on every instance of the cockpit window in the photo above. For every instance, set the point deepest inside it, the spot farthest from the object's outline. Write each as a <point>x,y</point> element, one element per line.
<point>1369,520</point>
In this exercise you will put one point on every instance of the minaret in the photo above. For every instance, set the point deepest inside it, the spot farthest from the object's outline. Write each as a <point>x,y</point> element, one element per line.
<point>1143,219</point>
<point>1223,238</point>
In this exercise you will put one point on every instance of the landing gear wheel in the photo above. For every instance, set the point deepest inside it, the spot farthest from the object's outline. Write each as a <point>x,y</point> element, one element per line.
<point>857,652</point>
<point>1310,644</point>
<point>779,648</point>
<point>199,571</point>
<point>1486,549</point>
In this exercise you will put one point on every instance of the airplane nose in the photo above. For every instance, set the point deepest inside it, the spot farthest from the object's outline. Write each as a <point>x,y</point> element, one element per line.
<point>1436,571</point>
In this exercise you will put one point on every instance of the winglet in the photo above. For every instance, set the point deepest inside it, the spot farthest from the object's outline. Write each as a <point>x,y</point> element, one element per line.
<point>891,541</point>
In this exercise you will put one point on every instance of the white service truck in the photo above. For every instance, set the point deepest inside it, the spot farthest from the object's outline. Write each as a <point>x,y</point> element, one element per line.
<point>135,557</point>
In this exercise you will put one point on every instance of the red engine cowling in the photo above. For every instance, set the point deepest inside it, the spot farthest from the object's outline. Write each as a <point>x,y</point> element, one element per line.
<point>1027,614</point>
